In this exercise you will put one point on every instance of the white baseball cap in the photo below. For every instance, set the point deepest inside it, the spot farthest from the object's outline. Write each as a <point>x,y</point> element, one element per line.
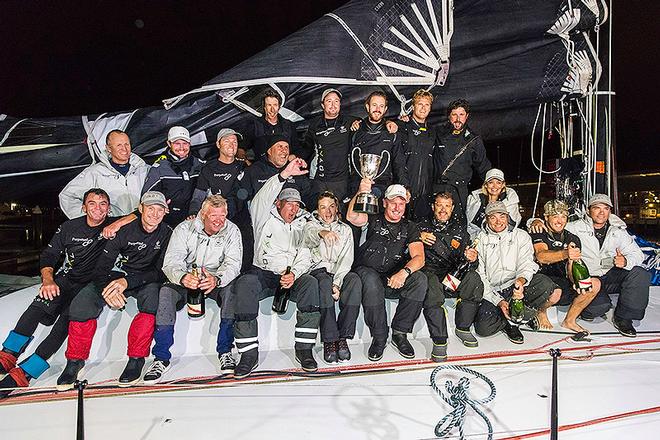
<point>494,173</point>
<point>177,133</point>
<point>396,190</point>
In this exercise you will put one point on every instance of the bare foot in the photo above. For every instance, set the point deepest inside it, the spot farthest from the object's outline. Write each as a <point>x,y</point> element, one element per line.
<point>574,326</point>
<point>544,322</point>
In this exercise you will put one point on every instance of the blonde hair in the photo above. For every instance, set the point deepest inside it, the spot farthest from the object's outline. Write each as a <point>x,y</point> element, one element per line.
<point>485,192</point>
<point>213,201</point>
<point>421,93</point>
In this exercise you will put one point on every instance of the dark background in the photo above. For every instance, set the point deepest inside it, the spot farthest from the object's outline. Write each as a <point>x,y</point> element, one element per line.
<point>64,58</point>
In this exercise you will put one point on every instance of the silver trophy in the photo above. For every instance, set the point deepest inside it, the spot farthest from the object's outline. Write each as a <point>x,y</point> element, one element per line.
<point>369,165</point>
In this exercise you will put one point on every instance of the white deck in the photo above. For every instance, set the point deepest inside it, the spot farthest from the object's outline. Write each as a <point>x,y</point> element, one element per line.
<point>397,403</point>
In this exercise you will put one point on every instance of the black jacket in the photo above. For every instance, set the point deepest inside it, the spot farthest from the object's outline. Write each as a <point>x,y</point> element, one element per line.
<point>258,173</point>
<point>418,143</point>
<point>447,252</point>
<point>474,157</point>
<point>326,147</point>
<point>176,179</point>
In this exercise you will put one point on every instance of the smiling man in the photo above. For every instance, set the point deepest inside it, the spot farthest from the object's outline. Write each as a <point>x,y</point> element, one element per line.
<point>278,219</point>
<point>213,243</point>
<point>122,176</point>
<point>388,265</point>
<point>129,266</point>
<point>175,175</point>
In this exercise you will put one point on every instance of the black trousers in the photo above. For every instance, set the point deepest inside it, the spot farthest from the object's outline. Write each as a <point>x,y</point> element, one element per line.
<point>53,313</point>
<point>258,284</point>
<point>633,289</point>
<point>374,291</point>
<point>89,303</point>
<point>469,292</point>
<point>490,318</point>
<point>333,327</point>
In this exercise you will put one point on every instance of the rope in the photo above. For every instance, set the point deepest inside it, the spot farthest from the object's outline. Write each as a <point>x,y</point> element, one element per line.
<point>457,397</point>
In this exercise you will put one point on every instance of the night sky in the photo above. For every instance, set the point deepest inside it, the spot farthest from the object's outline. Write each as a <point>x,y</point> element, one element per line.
<point>71,58</point>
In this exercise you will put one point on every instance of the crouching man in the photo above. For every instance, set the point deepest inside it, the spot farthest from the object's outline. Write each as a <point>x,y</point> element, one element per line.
<point>277,221</point>
<point>508,270</point>
<point>214,244</point>
<point>129,266</point>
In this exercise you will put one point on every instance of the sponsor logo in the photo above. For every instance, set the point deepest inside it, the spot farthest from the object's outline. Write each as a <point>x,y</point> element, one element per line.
<point>83,241</point>
<point>225,176</point>
<point>138,244</point>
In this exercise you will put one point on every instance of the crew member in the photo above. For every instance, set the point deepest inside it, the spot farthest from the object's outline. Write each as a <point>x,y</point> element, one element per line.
<point>388,264</point>
<point>556,250</point>
<point>278,233</point>
<point>214,244</point>
<point>259,129</point>
<point>446,246</point>
<point>373,138</point>
<point>121,176</point>
<point>129,266</point>
<point>459,153</point>
<point>507,270</point>
<point>493,189</point>
<point>74,250</point>
<point>331,243</point>
<point>418,139</point>
<point>175,175</point>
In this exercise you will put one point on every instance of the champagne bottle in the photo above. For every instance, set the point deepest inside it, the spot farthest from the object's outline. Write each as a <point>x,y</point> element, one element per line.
<point>581,277</point>
<point>195,298</point>
<point>516,310</point>
<point>281,299</point>
<point>453,279</point>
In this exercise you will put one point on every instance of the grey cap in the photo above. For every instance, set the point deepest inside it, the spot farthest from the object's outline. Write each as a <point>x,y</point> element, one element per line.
<point>495,207</point>
<point>290,195</point>
<point>326,92</point>
<point>228,132</point>
<point>176,133</point>
<point>153,198</point>
<point>600,198</point>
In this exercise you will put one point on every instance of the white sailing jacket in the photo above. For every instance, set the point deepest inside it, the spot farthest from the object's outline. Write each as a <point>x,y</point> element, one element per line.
<point>221,254</point>
<point>511,201</point>
<point>601,259</point>
<point>278,244</point>
<point>503,257</point>
<point>124,191</point>
<point>337,259</point>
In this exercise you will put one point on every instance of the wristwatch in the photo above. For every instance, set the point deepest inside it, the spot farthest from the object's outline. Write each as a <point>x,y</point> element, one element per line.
<point>407,269</point>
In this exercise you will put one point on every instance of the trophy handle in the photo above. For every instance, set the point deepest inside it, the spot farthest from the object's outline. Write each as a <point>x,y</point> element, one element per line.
<point>382,155</point>
<point>357,170</point>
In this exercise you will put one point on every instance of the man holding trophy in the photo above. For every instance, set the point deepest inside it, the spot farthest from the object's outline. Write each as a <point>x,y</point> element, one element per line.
<point>378,153</point>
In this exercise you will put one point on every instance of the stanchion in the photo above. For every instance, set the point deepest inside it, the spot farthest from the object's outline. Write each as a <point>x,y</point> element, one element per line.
<point>554,422</point>
<point>80,422</point>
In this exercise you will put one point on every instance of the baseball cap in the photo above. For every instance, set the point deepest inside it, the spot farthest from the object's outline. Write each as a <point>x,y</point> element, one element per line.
<point>228,132</point>
<point>494,173</point>
<point>177,133</point>
<point>600,198</point>
<point>328,91</point>
<point>290,195</point>
<point>495,207</point>
<point>153,198</point>
<point>396,190</point>
<point>555,207</point>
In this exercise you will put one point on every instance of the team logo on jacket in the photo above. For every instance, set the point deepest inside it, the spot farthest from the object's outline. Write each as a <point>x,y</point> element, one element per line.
<point>84,242</point>
<point>138,244</point>
<point>157,245</point>
<point>225,176</point>
<point>384,231</point>
<point>455,243</point>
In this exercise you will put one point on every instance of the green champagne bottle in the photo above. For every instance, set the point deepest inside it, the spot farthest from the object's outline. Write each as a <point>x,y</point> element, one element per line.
<point>516,310</point>
<point>581,277</point>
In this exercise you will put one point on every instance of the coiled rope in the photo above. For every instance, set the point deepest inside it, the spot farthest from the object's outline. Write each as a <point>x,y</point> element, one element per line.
<point>457,397</point>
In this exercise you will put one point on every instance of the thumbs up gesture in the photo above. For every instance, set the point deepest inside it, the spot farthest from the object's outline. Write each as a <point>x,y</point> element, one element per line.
<point>619,259</point>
